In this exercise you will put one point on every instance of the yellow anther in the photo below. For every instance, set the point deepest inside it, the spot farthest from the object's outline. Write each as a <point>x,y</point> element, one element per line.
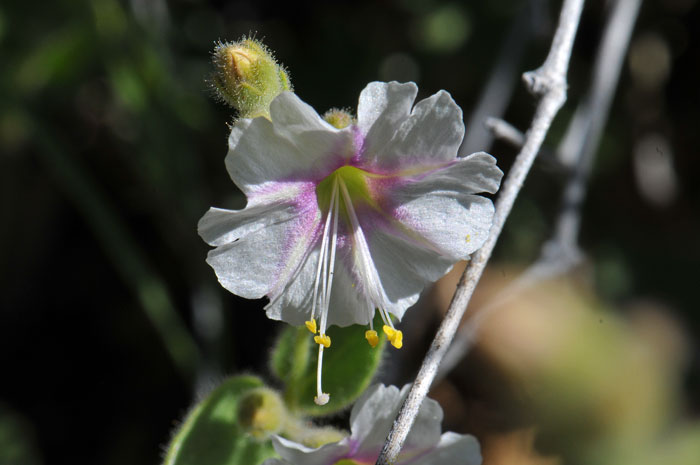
<point>372,338</point>
<point>311,325</point>
<point>323,340</point>
<point>394,335</point>
<point>468,238</point>
<point>397,341</point>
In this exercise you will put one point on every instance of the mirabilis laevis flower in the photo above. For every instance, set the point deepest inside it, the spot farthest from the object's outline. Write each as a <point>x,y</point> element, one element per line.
<point>341,222</point>
<point>370,421</point>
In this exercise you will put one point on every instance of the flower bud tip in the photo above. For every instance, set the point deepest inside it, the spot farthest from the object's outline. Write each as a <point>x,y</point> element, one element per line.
<point>247,77</point>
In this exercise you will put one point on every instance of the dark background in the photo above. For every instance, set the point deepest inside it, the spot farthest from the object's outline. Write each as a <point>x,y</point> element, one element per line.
<point>111,149</point>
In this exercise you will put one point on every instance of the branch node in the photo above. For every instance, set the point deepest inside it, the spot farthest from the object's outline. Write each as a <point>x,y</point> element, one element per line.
<point>542,81</point>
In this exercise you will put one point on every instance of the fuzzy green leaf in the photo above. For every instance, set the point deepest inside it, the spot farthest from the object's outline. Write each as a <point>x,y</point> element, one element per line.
<point>290,357</point>
<point>290,360</point>
<point>211,435</point>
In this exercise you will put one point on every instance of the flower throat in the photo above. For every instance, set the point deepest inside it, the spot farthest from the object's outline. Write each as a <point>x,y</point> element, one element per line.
<point>344,186</point>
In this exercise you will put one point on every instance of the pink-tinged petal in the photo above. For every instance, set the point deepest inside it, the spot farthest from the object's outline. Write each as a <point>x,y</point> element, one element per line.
<point>440,206</point>
<point>429,136</point>
<point>473,174</point>
<point>298,454</point>
<point>219,226</point>
<point>296,145</point>
<point>452,448</point>
<point>255,253</point>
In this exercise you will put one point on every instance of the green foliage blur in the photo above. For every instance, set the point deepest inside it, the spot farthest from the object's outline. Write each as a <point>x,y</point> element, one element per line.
<point>111,149</point>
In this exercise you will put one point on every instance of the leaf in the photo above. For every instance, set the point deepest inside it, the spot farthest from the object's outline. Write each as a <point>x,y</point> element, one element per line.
<point>211,435</point>
<point>348,367</point>
<point>291,355</point>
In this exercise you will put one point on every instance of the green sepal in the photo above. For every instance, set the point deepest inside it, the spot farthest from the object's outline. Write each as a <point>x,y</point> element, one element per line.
<point>348,367</point>
<point>211,434</point>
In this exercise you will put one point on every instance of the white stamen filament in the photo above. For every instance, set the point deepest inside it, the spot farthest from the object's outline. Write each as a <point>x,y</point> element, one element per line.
<point>322,254</point>
<point>331,267</point>
<point>374,290</point>
<point>321,397</point>
<point>324,277</point>
<point>385,317</point>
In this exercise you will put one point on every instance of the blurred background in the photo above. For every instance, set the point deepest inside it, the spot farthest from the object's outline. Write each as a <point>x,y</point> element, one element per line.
<point>111,149</point>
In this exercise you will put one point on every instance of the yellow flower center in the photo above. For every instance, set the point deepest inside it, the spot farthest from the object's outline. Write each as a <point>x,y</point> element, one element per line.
<point>355,181</point>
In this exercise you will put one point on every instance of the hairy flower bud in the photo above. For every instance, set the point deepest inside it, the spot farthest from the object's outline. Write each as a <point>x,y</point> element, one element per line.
<point>262,412</point>
<point>247,77</point>
<point>338,118</point>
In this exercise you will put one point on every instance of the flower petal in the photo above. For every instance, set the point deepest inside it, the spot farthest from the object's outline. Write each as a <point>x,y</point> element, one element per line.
<point>257,247</point>
<point>473,174</point>
<point>347,305</point>
<point>455,225</point>
<point>425,432</point>
<point>374,413</point>
<point>453,448</point>
<point>298,454</point>
<point>295,145</point>
<point>383,106</point>
<point>404,267</point>
<point>441,208</point>
<point>219,226</point>
<point>293,303</point>
<point>430,135</point>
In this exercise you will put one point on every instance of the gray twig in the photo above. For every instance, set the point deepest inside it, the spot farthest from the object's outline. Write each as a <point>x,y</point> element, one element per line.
<point>548,83</point>
<point>502,129</point>
<point>561,252</point>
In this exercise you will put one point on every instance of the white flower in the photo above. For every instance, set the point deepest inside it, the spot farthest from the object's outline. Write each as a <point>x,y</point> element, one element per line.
<point>341,222</point>
<point>370,421</point>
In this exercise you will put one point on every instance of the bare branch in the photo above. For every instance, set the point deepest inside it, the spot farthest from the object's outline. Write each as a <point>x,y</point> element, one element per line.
<point>549,83</point>
<point>504,130</point>
<point>561,252</point>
